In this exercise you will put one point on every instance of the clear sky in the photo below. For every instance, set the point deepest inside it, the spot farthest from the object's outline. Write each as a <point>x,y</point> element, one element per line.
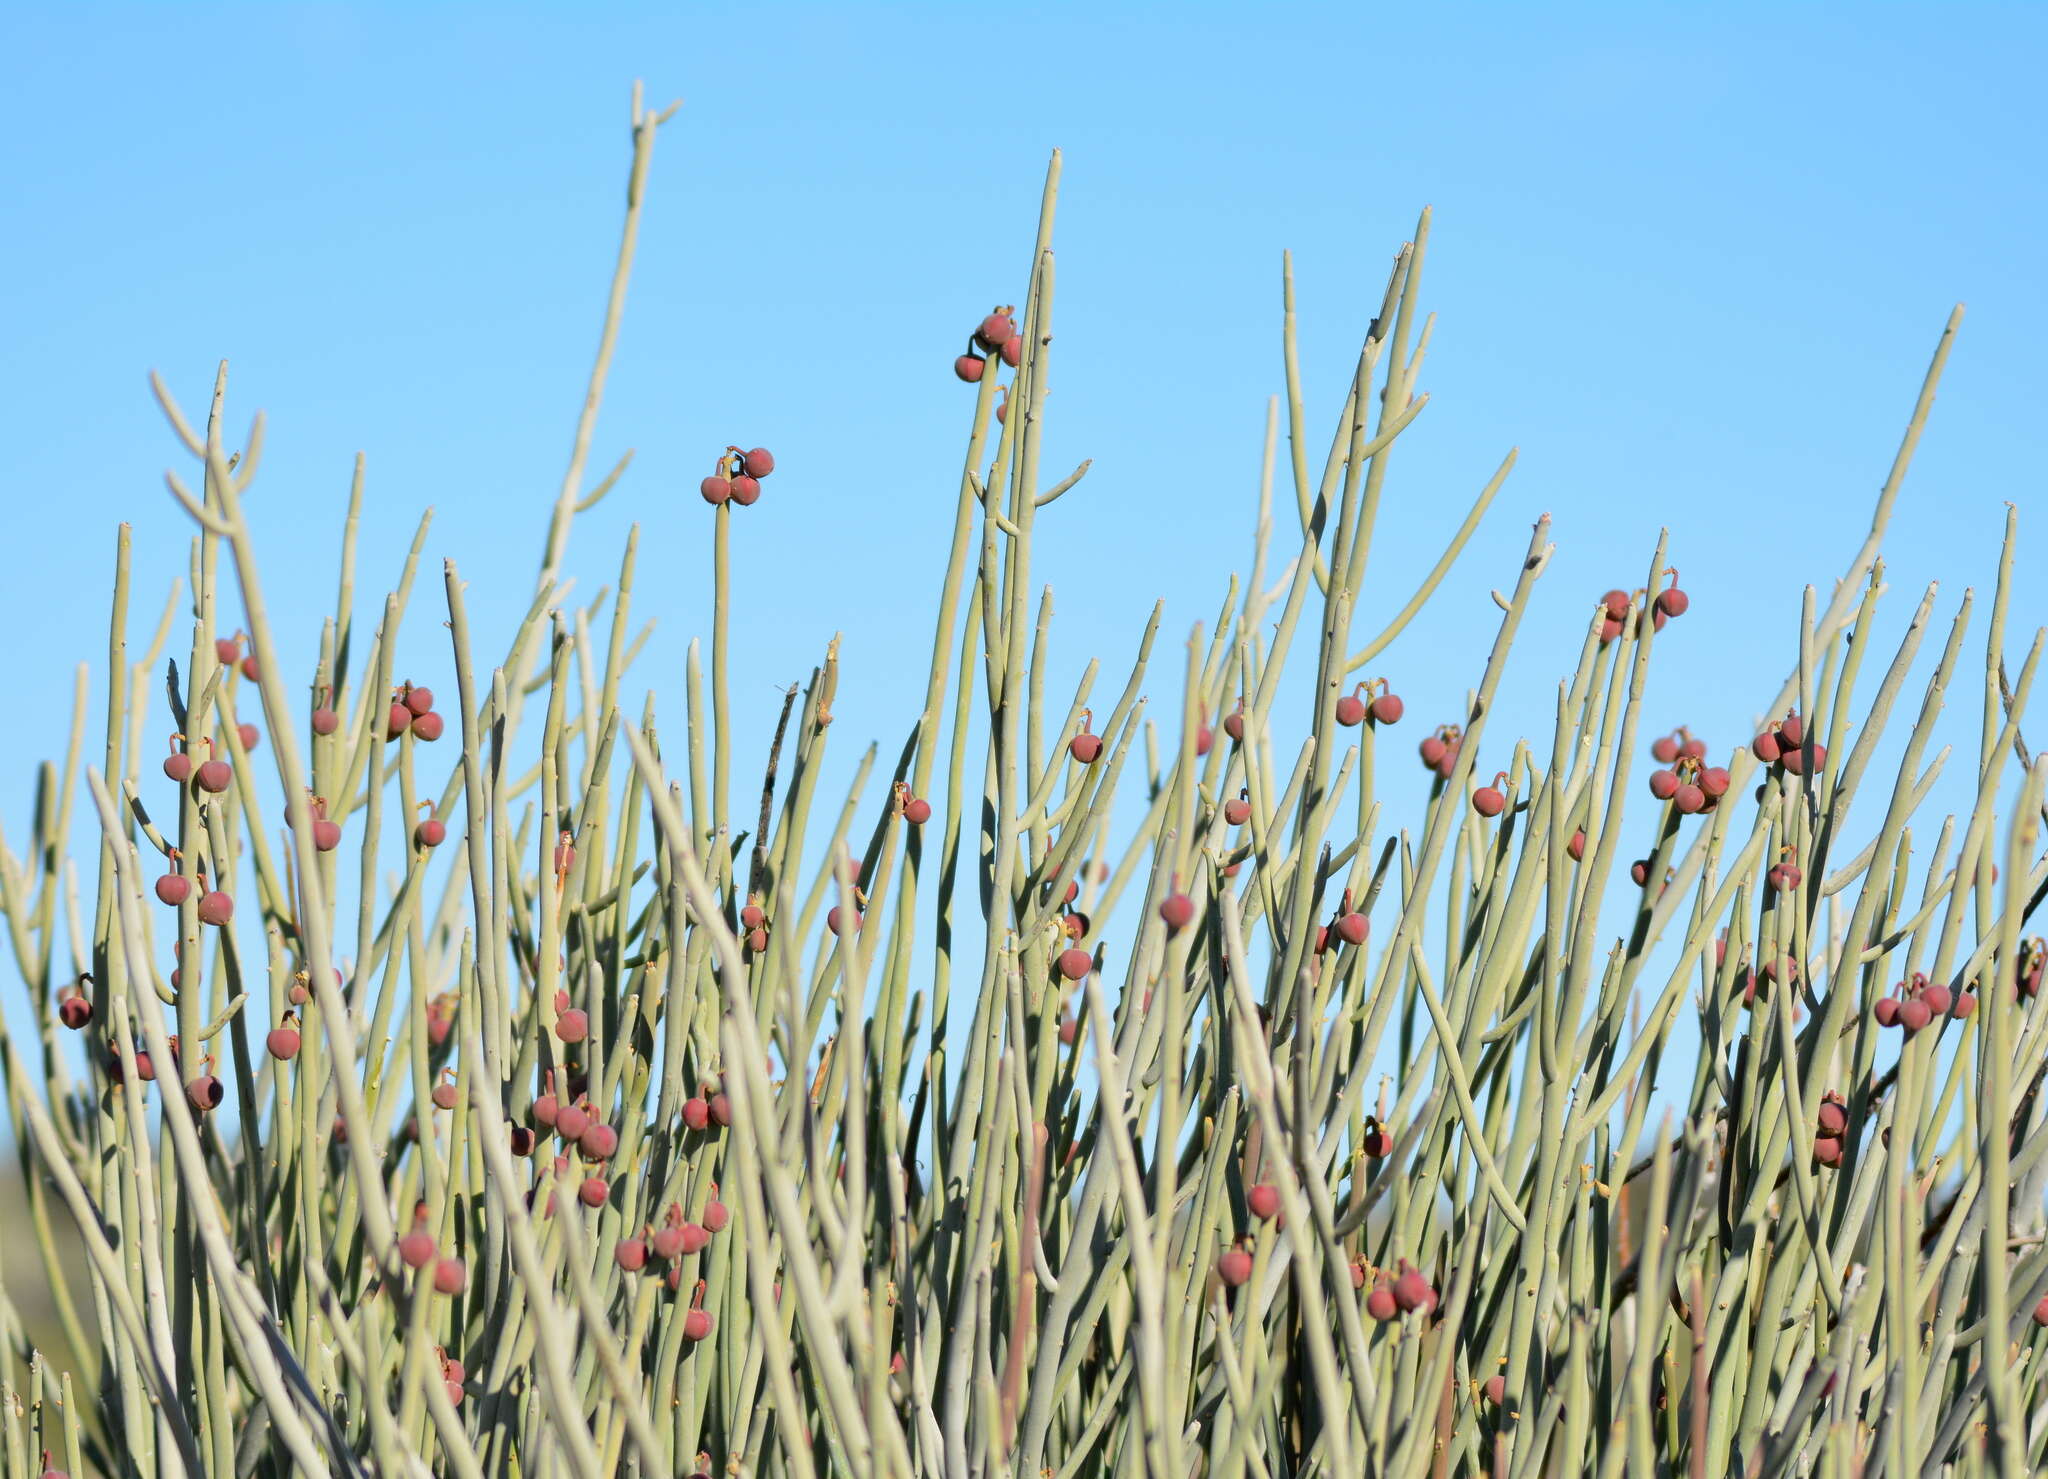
<point>1690,261</point>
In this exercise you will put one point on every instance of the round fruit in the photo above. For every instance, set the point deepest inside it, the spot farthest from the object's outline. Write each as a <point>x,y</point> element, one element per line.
<point>450,1277</point>
<point>1387,709</point>
<point>1178,910</point>
<point>996,330</point>
<point>1350,710</point>
<point>968,367</point>
<point>696,1325</point>
<point>593,1192</point>
<point>428,726</point>
<point>417,1249</point>
<point>216,908</point>
<point>205,1093</point>
<point>715,490</point>
<point>759,462</point>
<point>1234,1267</point>
<point>325,721</point>
<point>631,1254</point>
<point>215,776</point>
<point>1075,964</point>
<point>283,1043</point>
<point>745,490</point>
<point>1353,927</point>
<point>173,889</point>
<point>1380,1304</point>
<point>75,1012</point>
<point>572,1025</point>
<point>1663,784</point>
<point>430,833</point>
<point>1886,1011</point>
<point>1488,802</point>
<point>1264,1202</point>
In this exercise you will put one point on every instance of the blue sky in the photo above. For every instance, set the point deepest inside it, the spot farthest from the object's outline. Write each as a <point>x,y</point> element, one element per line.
<point>1690,262</point>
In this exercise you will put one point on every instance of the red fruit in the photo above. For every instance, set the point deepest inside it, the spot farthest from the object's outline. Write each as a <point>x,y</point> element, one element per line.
<point>571,1121</point>
<point>1264,1202</point>
<point>430,833</point>
<point>1827,1149</point>
<point>695,1238</point>
<point>1496,1390</point>
<point>1488,802</point>
<point>759,462</point>
<point>674,1279</point>
<point>1833,1119</point>
<point>696,1113</point>
<point>1914,1014</point>
<point>205,1093</point>
<point>1350,710</point>
<point>917,811</point>
<point>178,767</point>
<point>2041,1311</point>
<point>1178,910</point>
<point>1714,781</point>
<point>173,889</point>
<point>1672,602</point>
<point>1432,750</point>
<point>968,367</point>
<point>1639,870</point>
<point>1664,750</point>
<point>74,1012</point>
<point>1792,730</point>
<point>325,721</point>
<point>1784,876</point>
<point>214,776</point>
<point>1013,350</point>
<point>835,922</point>
<point>1234,1267</point>
<point>696,1325</point>
<point>1387,709</point>
<point>1237,811</point>
<point>144,1068</point>
<point>752,918</point>
<point>419,700</point>
<point>522,1141</point>
<point>1203,739</point>
<point>1693,749</point>
<point>1412,1291</point>
<point>716,1215</point>
<point>1075,964</point>
<point>546,1110</point>
<point>1938,998</point>
<point>1233,722</point>
<point>1886,1011</point>
<point>1663,784</point>
<point>721,1111</point>
<point>1576,848</point>
<point>450,1277</point>
<point>631,1254</point>
<point>599,1142</point>
<point>1689,798</point>
<point>446,1096</point>
<point>593,1191</point>
<point>572,1025</point>
<point>1609,630</point>
<point>1353,927</point>
<point>1766,747</point>
<point>428,727</point>
<point>668,1242</point>
<point>745,489</point>
<point>226,650</point>
<point>1358,1273</point>
<point>397,719</point>
<point>757,941</point>
<point>1380,1304</point>
<point>1322,939</point>
<point>1085,748</point>
<point>1070,1031</point>
<point>216,908</point>
<point>326,835</point>
<point>1616,603</point>
<point>283,1043</point>
<point>715,490</point>
<point>996,330</point>
<point>1377,1142</point>
<point>1965,1004</point>
<point>417,1249</point>
<point>1448,763</point>
<point>249,735</point>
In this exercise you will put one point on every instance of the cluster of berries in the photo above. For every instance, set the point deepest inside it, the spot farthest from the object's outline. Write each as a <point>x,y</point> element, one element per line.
<point>1670,602</point>
<point>413,709</point>
<point>738,476</point>
<point>1353,710</point>
<point>995,335</point>
<point>1686,780</point>
<point>1783,746</point>
<point>1915,1003</point>
<point>1831,1128</point>
<point>1404,1293</point>
<point>215,906</point>
<point>674,1241</point>
<point>419,1248</point>
<point>1440,751</point>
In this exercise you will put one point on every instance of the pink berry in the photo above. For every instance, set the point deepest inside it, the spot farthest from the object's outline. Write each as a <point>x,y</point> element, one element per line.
<point>1387,709</point>
<point>1352,928</point>
<point>696,1113</point>
<point>695,1238</point>
<point>205,1093</point>
<point>1178,910</point>
<point>571,1121</point>
<point>1833,1119</point>
<point>428,726</point>
<point>1412,1291</point>
<point>1013,350</point>
<point>1689,798</point>
<point>397,719</point>
<point>1070,1031</point>
<point>715,490</point>
<point>1085,748</point>
<point>1488,802</point>
<point>1576,848</point>
<point>1827,1149</point>
<point>430,833</point>
<point>1766,747</point>
<point>1673,602</point>
<point>1075,964</point>
<point>716,1215</point>
<point>215,776</point>
<point>1783,877</point>
<point>74,1012</point>
<point>668,1242</point>
<point>1350,710</point>
<point>1914,1014</point>
<point>841,924</point>
<point>759,462</point>
<point>1237,811</point>
<point>1616,603</point>
<point>450,1277</point>
<point>283,1043</point>
<point>1886,1011</point>
<point>1203,739</point>
<point>1663,784</point>
<point>1939,999</point>
<point>1965,1003</point>
<point>968,367</point>
<point>2041,1311</point>
<point>226,650</point>
<point>417,1249</point>
<point>572,1025</point>
<point>1377,1142</point>
<point>996,330</point>
<point>326,835</point>
<point>631,1254</point>
<point>757,940</point>
<point>446,1096</point>
<point>419,700</point>
<point>178,767</point>
<point>1664,750</point>
<point>216,908</point>
<point>745,490</point>
<point>593,1192</point>
<point>1693,749</point>
<point>752,918</point>
<point>1792,730</point>
<point>917,811</point>
<point>1234,1267</point>
<point>1380,1303</point>
<point>599,1142</point>
<point>173,889</point>
<point>1714,781</point>
<point>522,1141</point>
<point>1264,1202</point>
<point>1639,870</point>
<point>1496,1390</point>
<point>249,735</point>
<point>325,721</point>
<point>696,1325</point>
